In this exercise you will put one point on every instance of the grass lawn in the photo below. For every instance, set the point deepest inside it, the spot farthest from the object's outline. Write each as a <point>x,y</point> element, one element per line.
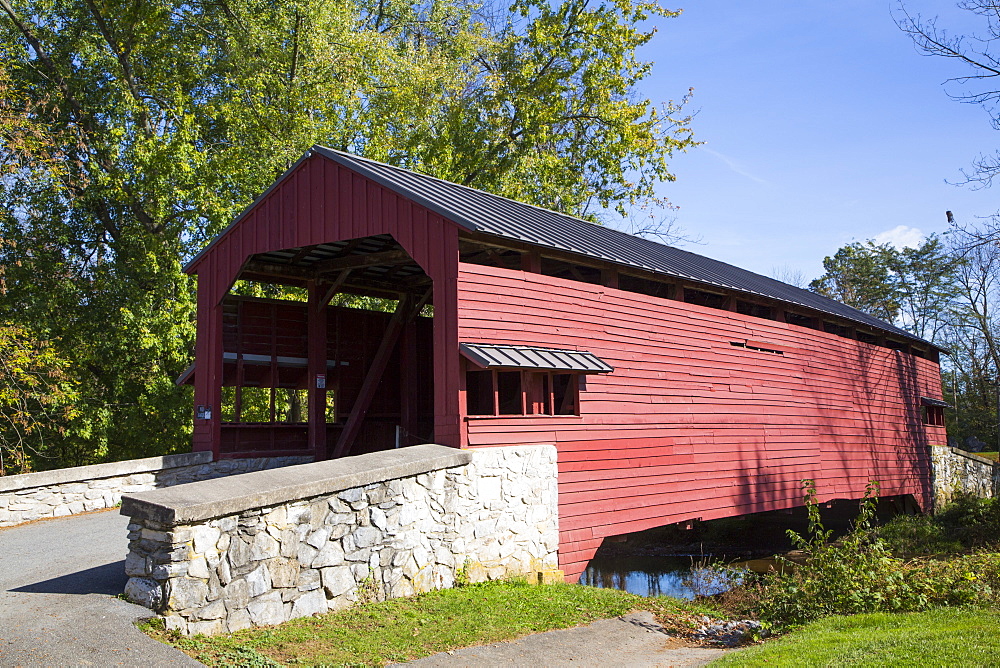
<point>995,456</point>
<point>944,637</point>
<point>409,628</point>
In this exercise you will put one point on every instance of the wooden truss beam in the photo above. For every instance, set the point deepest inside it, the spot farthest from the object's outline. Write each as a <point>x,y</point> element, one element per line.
<point>382,259</point>
<point>406,311</point>
<point>361,286</point>
<point>337,264</point>
<point>335,287</point>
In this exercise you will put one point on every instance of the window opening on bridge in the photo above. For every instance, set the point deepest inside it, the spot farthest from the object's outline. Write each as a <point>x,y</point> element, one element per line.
<point>934,416</point>
<point>896,345</point>
<point>501,393</point>
<point>703,298</point>
<point>565,394</point>
<point>645,286</point>
<point>865,337</point>
<point>526,380</point>
<point>933,411</point>
<point>573,272</point>
<point>509,400</point>
<point>755,310</point>
<point>835,328</point>
<point>479,393</point>
<point>800,320</point>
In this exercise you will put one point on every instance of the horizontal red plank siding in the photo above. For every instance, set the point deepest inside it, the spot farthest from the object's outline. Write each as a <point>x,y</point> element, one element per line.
<point>688,425</point>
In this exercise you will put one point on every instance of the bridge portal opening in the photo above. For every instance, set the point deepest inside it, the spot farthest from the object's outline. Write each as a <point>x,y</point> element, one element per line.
<point>327,351</point>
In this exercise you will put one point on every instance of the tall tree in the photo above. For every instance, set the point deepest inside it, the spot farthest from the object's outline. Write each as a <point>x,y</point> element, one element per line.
<point>972,336</point>
<point>860,275</point>
<point>913,288</point>
<point>143,126</point>
<point>977,59</point>
<point>925,282</point>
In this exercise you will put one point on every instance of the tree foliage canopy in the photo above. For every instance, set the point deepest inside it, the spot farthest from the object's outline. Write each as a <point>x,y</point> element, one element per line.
<point>914,288</point>
<point>132,131</point>
<point>37,401</point>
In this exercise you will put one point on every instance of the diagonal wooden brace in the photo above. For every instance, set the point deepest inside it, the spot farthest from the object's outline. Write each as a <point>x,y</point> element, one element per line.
<point>406,311</point>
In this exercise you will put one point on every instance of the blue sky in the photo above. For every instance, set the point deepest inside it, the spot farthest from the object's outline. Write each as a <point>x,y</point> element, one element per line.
<point>822,125</point>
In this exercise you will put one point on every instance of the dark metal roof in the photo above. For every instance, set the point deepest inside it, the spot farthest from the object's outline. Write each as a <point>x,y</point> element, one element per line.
<point>491,356</point>
<point>482,212</point>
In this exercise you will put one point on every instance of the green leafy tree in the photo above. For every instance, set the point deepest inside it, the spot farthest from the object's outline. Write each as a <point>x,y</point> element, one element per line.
<point>926,282</point>
<point>860,275</point>
<point>132,132</point>
<point>913,288</point>
<point>37,403</point>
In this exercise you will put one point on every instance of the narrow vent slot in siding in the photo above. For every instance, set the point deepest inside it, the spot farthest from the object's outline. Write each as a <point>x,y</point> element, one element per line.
<point>748,346</point>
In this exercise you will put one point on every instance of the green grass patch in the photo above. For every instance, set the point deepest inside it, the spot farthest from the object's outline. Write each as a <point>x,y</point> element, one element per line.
<point>410,628</point>
<point>942,637</point>
<point>995,456</point>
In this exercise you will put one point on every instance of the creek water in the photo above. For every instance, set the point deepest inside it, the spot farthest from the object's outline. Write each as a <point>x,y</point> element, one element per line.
<point>678,576</point>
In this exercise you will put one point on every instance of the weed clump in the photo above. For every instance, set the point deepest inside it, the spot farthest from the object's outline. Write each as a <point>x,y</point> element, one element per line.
<point>860,574</point>
<point>966,524</point>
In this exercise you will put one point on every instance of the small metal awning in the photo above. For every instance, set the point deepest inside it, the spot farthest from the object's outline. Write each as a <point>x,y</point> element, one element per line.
<point>491,356</point>
<point>927,401</point>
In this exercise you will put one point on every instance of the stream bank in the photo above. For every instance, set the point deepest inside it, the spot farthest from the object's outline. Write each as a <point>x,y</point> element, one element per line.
<point>676,560</point>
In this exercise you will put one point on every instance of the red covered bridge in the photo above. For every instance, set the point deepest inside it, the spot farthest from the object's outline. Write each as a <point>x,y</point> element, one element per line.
<point>673,386</point>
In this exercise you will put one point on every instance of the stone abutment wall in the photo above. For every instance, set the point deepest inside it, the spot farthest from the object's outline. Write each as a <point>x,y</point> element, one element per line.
<point>80,489</point>
<point>262,548</point>
<point>955,472</point>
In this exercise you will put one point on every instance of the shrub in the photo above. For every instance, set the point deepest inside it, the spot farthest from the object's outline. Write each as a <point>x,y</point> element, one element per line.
<point>966,523</point>
<point>859,574</point>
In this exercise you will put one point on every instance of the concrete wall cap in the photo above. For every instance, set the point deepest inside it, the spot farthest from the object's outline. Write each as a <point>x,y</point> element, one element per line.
<point>13,483</point>
<point>971,455</point>
<point>193,502</point>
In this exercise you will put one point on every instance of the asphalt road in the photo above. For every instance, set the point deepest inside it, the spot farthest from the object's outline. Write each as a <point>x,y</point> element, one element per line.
<point>58,582</point>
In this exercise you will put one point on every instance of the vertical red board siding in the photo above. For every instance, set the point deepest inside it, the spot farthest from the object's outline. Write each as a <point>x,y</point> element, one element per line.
<point>690,426</point>
<point>208,351</point>
<point>341,205</point>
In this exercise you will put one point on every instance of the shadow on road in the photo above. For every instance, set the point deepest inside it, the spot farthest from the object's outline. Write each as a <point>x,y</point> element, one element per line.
<point>107,579</point>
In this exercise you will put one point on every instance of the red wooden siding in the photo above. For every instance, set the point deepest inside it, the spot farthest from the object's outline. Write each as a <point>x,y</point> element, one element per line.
<point>321,202</point>
<point>690,426</point>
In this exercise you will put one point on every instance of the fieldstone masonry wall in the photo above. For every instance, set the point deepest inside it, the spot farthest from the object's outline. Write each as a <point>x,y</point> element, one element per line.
<point>957,472</point>
<point>313,538</point>
<point>33,496</point>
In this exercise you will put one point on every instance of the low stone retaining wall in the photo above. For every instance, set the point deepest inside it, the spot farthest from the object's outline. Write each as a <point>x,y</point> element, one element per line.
<point>33,496</point>
<point>955,472</point>
<point>262,548</point>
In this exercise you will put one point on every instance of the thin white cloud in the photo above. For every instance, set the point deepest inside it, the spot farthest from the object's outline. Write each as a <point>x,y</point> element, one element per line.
<point>901,237</point>
<point>733,165</point>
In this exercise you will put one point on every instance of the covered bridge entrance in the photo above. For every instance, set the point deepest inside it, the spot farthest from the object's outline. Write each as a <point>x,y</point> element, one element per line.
<point>310,377</point>
<point>344,363</point>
